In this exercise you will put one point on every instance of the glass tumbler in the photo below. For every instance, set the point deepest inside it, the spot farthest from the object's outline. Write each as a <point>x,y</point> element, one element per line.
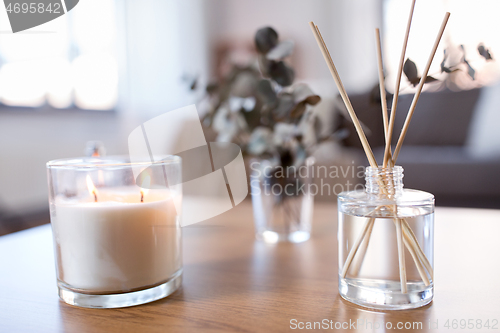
<point>386,243</point>
<point>282,200</point>
<point>116,230</point>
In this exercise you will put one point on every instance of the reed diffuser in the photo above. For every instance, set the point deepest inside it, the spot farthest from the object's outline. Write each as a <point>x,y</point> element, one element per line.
<point>385,227</point>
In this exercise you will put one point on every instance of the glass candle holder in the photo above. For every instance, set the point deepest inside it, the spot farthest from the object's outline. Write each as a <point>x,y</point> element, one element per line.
<point>386,243</point>
<point>116,228</point>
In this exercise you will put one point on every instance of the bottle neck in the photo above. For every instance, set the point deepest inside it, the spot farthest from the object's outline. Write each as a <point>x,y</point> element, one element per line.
<point>382,180</point>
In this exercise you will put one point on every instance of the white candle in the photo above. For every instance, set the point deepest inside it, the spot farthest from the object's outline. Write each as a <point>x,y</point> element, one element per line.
<point>117,243</point>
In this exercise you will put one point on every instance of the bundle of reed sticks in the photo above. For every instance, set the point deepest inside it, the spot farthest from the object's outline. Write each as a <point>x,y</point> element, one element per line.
<point>405,236</point>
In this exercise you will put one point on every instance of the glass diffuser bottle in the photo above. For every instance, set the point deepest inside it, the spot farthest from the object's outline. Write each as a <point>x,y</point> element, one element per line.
<point>386,243</point>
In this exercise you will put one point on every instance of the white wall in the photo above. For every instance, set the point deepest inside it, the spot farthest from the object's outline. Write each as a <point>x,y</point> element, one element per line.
<point>346,25</point>
<point>164,39</point>
<point>30,139</point>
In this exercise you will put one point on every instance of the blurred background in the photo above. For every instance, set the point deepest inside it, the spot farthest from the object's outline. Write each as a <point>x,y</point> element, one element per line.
<point>107,66</point>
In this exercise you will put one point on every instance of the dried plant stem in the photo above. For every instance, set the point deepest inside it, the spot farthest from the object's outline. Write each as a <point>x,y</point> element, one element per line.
<point>409,240</point>
<point>419,89</point>
<point>411,244</point>
<point>413,247</point>
<point>381,80</point>
<point>396,89</point>
<point>418,249</point>
<point>355,247</point>
<point>364,142</point>
<point>356,267</point>
<point>343,94</point>
<point>404,238</point>
<point>383,97</point>
<point>400,239</point>
<point>415,253</point>
<point>418,264</point>
<point>401,256</point>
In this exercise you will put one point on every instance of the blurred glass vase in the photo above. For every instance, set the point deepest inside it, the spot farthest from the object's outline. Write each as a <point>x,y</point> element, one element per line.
<point>282,200</point>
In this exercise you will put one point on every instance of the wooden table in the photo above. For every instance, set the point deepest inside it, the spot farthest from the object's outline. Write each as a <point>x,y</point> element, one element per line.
<point>234,283</point>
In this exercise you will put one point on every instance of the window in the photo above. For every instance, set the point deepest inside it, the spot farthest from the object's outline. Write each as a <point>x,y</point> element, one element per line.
<point>471,23</point>
<point>67,62</point>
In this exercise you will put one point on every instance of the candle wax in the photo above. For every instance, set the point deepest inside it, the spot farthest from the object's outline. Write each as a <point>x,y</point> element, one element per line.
<point>118,243</point>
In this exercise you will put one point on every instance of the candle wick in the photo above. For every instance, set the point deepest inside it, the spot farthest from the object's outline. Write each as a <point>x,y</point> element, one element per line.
<point>95,196</point>
<point>142,196</point>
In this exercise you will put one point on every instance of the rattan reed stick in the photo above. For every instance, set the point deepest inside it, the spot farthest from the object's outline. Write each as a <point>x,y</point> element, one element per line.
<point>396,89</point>
<point>343,94</point>
<point>419,89</point>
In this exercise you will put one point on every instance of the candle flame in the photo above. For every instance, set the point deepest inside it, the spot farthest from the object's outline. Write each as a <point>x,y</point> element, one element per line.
<point>91,187</point>
<point>145,187</point>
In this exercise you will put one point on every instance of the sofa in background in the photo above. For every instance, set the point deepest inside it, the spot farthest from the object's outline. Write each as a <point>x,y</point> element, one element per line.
<point>440,152</point>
